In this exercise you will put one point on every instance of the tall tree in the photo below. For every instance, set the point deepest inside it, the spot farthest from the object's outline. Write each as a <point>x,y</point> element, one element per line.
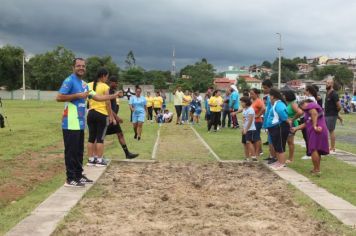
<point>130,60</point>
<point>48,70</point>
<point>11,67</point>
<point>94,63</point>
<point>201,75</point>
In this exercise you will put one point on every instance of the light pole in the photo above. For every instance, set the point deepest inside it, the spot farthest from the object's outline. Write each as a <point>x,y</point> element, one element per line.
<point>23,78</point>
<point>280,59</point>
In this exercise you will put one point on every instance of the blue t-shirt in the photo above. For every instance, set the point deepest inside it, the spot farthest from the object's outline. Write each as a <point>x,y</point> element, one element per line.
<point>268,109</point>
<point>74,111</point>
<point>138,103</point>
<point>206,105</point>
<point>246,113</point>
<point>234,101</point>
<point>196,105</point>
<point>277,114</point>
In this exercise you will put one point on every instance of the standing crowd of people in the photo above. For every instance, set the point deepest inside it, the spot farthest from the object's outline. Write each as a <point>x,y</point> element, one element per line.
<point>280,114</point>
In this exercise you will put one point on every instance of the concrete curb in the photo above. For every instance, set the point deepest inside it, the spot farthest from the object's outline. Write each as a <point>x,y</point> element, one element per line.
<point>341,209</point>
<point>44,219</point>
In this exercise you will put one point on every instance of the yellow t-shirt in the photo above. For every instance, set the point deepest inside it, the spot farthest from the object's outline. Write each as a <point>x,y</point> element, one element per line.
<point>188,98</point>
<point>157,102</point>
<point>178,98</point>
<point>149,101</point>
<point>101,89</point>
<point>215,103</point>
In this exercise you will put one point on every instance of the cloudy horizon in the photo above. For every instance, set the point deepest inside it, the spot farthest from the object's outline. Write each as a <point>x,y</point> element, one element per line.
<point>225,32</point>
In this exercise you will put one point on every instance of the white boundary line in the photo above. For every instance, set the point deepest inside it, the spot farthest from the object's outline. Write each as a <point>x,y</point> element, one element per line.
<point>155,147</point>
<point>206,145</point>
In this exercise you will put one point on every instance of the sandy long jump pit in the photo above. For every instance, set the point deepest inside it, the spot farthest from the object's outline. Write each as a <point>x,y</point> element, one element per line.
<point>175,198</point>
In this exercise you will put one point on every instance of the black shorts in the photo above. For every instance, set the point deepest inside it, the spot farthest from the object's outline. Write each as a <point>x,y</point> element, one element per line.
<point>97,124</point>
<point>279,135</point>
<point>113,129</point>
<point>258,130</point>
<point>250,136</point>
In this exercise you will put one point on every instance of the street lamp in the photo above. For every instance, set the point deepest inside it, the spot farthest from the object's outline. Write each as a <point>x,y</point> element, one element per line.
<point>23,78</point>
<point>279,62</point>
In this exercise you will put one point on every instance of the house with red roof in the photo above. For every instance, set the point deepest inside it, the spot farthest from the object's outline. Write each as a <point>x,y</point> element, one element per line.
<point>223,83</point>
<point>252,82</point>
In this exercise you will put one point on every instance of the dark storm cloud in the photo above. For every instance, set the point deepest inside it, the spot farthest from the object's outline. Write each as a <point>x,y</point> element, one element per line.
<point>226,32</point>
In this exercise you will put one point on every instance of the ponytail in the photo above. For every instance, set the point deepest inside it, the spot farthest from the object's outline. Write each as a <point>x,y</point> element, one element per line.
<point>101,72</point>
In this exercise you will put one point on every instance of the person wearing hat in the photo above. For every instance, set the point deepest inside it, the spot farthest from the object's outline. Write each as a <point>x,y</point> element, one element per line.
<point>116,128</point>
<point>234,104</point>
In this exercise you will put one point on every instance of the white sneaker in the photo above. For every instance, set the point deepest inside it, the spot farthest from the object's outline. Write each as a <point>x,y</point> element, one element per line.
<point>306,157</point>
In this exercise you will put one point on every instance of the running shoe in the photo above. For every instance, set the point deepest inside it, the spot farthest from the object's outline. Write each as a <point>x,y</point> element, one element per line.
<point>254,159</point>
<point>267,158</point>
<point>273,160</point>
<point>306,157</point>
<point>91,161</point>
<point>131,155</point>
<point>135,137</point>
<point>85,180</point>
<point>74,184</point>
<point>101,163</point>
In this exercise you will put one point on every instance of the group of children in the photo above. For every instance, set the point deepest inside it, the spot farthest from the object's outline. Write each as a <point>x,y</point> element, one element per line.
<point>279,114</point>
<point>158,105</point>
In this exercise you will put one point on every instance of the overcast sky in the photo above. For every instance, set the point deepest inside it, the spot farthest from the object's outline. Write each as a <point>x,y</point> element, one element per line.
<point>226,32</point>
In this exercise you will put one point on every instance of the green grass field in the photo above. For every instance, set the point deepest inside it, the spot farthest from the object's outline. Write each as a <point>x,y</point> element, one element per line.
<point>36,137</point>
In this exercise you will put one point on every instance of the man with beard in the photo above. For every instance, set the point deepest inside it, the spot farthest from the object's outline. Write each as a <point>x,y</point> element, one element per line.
<point>74,92</point>
<point>332,108</point>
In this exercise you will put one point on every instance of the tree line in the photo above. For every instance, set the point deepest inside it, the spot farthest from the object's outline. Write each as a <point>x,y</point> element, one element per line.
<point>46,71</point>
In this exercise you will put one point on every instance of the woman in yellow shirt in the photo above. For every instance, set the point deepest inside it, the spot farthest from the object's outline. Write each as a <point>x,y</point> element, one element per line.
<point>149,106</point>
<point>215,103</point>
<point>187,99</point>
<point>99,118</point>
<point>157,103</point>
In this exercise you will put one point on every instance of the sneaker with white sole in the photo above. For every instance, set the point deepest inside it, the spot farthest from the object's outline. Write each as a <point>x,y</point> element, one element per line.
<point>101,163</point>
<point>91,161</point>
<point>74,184</point>
<point>85,180</point>
<point>306,157</point>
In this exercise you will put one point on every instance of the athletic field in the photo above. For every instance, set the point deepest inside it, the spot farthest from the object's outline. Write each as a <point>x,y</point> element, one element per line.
<point>187,192</point>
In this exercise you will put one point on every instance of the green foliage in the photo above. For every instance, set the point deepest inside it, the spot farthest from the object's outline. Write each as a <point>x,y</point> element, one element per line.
<point>157,78</point>
<point>201,75</point>
<point>286,75</point>
<point>134,75</point>
<point>242,84</point>
<point>11,67</point>
<point>130,60</point>
<point>94,63</point>
<point>48,70</point>
<point>342,75</point>
<point>266,64</point>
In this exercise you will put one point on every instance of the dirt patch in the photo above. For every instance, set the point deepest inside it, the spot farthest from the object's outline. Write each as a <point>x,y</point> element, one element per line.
<point>26,171</point>
<point>190,199</point>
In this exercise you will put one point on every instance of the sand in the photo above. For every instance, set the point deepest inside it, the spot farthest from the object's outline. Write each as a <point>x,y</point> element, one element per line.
<point>180,198</point>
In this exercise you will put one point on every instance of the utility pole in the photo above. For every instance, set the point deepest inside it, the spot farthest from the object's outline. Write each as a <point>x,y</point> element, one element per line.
<point>23,78</point>
<point>173,72</point>
<point>280,59</point>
